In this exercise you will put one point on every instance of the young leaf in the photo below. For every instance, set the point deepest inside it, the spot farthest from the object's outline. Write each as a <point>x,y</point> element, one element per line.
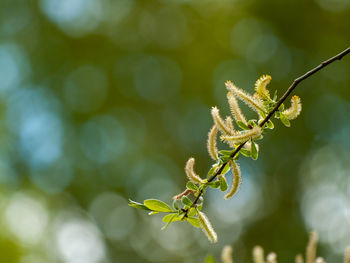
<point>242,125</point>
<point>253,150</point>
<point>225,170</point>
<point>270,125</point>
<point>284,120</point>
<point>215,184</point>
<point>138,205</point>
<point>192,212</point>
<point>199,207</point>
<point>275,96</point>
<point>152,213</point>
<point>223,183</point>
<point>190,185</point>
<point>171,219</point>
<point>157,205</point>
<point>210,259</point>
<point>212,170</point>
<point>175,205</point>
<point>186,201</point>
<point>245,152</point>
<point>225,152</point>
<point>194,221</point>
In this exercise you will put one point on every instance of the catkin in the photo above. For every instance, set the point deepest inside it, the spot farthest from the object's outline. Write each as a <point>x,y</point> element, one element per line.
<point>192,176</point>
<point>243,136</point>
<point>211,142</point>
<point>260,86</point>
<point>220,122</point>
<point>235,109</point>
<point>254,103</point>
<point>207,227</point>
<point>295,108</point>
<point>236,180</point>
<point>226,254</point>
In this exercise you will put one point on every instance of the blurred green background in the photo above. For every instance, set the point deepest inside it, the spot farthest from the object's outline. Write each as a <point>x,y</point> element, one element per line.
<point>105,100</point>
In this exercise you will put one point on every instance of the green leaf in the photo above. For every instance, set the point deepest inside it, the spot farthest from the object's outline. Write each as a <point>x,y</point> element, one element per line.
<point>152,213</point>
<point>192,212</point>
<point>223,183</point>
<point>252,123</point>
<point>190,185</point>
<point>212,170</point>
<point>253,150</point>
<point>226,168</point>
<point>242,125</point>
<point>277,114</point>
<point>194,221</point>
<point>270,125</point>
<point>215,184</point>
<point>175,205</point>
<point>170,219</point>
<point>210,259</point>
<point>284,120</point>
<point>157,205</point>
<point>281,108</point>
<point>225,152</point>
<point>225,158</point>
<point>199,207</point>
<point>138,205</point>
<point>186,201</point>
<point>275,96</point>
<point>245,152</point>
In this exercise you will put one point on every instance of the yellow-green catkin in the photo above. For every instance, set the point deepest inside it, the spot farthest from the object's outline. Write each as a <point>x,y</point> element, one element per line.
<point>243,136</point>
<point>260,87</point>
<point>235,109</point>
<point>220,122</point>
<point>191,175</point>
<point>254,103</point>
<point>294,110</point>
<point>211,143</point>
<point>207,228</point>
<point>236,180</point>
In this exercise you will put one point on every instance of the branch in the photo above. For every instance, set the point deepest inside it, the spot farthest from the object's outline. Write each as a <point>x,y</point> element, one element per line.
<point>280,101</point>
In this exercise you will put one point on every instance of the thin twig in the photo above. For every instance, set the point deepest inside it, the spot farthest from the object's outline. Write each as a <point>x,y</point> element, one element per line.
<point>280,101</point>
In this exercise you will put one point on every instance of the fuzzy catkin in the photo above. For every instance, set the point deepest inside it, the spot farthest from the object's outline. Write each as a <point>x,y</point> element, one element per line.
<point>207,228</point>
<point>254,103</point>
<point>295,108</point>
<point>243,136</point>
<point>211,142</point>
<point>236,180</point>
<point>192,176</point>
<point>220,122</point>
<point>235,109</point>
<point>260,86</point>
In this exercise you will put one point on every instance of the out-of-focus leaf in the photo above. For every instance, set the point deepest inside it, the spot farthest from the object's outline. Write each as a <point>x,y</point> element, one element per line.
<point>210,259</point>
